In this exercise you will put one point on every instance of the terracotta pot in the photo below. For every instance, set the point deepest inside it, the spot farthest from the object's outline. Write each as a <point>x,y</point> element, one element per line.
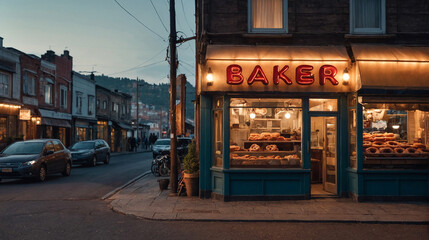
<point>192,182</point>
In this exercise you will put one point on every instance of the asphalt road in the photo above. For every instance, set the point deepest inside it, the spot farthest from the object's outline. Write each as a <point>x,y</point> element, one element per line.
<point>71,208</point>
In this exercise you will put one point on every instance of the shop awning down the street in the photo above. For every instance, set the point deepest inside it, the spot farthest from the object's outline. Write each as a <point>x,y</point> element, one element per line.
<point>392,67</point>
<point>56,122</point>
<point>123,126</point>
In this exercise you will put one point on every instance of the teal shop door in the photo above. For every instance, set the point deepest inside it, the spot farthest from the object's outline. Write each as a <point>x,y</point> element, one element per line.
<point>324,155</point>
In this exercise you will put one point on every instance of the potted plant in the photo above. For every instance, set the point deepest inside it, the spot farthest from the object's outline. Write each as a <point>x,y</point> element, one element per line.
<point>191,174</point>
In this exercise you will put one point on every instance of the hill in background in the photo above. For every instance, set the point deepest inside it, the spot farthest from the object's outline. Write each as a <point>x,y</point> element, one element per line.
<point>151,94</point>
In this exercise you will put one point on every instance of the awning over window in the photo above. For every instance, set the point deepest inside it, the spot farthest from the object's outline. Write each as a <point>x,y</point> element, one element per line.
<point>56,122</point>
<point>123,126</point>
<point>392,67</point>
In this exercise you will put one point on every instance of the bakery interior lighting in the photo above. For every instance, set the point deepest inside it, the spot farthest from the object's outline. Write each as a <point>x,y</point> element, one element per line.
<point>346,76</point>
<point>287,115</point>
<point>252,114</point>
<point>209,77</point>
<point>396,126</point>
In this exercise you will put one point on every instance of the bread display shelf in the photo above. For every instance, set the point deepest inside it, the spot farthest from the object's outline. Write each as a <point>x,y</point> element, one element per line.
<point>272,141</point>
<point>264,152</point>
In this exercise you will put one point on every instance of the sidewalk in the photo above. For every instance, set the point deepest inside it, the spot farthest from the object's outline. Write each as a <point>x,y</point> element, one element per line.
<point>144,199</point>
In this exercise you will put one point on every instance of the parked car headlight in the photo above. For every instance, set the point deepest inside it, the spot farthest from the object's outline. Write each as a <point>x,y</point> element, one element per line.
<point>29,163</point>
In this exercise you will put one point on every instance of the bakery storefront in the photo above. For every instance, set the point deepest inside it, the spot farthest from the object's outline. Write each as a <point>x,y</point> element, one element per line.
<point>289,123</point>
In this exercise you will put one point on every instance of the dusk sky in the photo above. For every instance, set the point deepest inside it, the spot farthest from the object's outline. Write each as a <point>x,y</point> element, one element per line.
<point>101,36</point>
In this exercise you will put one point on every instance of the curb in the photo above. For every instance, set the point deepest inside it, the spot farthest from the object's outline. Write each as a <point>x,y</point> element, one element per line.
<point>114,191</point>
<point>126,153</point>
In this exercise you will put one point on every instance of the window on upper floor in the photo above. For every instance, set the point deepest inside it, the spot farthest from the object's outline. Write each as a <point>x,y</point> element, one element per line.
<point>63,97</point>
<point>29,84</point>
<point>49,87</point>
<point>90,104</point>
<point>268,16</point>
<point>5,84</point>
<point>78,102</point>
<point>104,104</point>
<point>367,16</point>
<point>98,104</point>
<point>115,107</point>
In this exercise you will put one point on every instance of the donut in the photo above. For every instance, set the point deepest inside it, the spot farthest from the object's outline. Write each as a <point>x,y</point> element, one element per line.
<point>272,147</point>
<point>389,135</point>
<point>265,136</point>
<point>372,150</point>
<point>253,138</point>
<point>410,150</point>
<point>399,150</point>
<point>367,144</point>
<point>386,150</point>
<point>234,148</point>
<point>254,147</point>
<point>281,138</point>
<point>419,145</point>
<point>378,135</point>
<point>379,139</point>
<point>275,135</point>
<point>378,144</point>
<point>392,144</point>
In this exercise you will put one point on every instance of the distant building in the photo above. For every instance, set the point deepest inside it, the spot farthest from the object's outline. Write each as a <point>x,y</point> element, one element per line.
<point>55,97</point>
<point>84,118</point>
<point>10,95</point>
<point>113,118</point>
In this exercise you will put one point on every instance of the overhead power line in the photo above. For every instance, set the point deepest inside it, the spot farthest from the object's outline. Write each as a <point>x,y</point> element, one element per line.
<point>154,8</point>
<point>186,19</point>
<point>144,25</point>
<point>134,68</point>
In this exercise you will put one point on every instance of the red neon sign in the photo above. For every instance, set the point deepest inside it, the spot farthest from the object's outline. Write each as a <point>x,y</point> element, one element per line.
<point>303,75</point>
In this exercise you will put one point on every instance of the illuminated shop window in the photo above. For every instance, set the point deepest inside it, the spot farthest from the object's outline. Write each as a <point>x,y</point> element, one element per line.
<point>327,105</point>
<point>265,133</point>
<point>396,135</point>
<point>268,16</point>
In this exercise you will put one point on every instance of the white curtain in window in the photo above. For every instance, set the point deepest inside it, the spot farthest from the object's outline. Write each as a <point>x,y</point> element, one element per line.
<point>367,13</point>
<point>267,13</point>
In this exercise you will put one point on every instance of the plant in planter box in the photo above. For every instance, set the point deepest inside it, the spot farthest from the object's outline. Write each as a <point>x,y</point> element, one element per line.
<point>191,165</point>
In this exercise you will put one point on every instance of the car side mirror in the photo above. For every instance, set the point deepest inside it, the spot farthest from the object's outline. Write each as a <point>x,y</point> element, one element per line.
<point>49,152</point>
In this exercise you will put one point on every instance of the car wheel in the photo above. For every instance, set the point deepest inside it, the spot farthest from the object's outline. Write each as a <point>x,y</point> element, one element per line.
<point>42,174</point>
<point>67,170</point>
<point>107,160</point>
<point>93,163</point>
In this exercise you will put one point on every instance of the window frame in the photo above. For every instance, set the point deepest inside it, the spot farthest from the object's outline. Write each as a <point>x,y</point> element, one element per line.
<point>9,83</point>
<point>50,85</point>
<point>91,108</point>
<point>29,79</point>
<point>371,31</point>
<point>63,96</point>
<point>79,96</point>
<point>267,30</point>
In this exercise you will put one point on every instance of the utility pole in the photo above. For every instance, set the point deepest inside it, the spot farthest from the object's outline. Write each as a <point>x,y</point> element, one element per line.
<point>137,116</point>
<point>173,138</point>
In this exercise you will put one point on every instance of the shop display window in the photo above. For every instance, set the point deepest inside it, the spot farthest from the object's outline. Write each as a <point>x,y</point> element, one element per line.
<point>265,133</point>
<point>218,131</point>
<point>396,136</point>
<point>351,106</point>
<point>3,128</point>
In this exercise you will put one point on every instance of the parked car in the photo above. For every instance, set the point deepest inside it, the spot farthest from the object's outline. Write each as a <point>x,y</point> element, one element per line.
<point>35,158</point>
<point>162,146</point>
<point>90,152</point>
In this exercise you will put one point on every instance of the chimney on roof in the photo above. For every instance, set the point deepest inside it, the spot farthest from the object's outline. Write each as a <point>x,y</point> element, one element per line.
<point>92,76</point>
<point>66,53</point>
<point>1,42</point>
<point>49,56</point>
<point>116,90</point>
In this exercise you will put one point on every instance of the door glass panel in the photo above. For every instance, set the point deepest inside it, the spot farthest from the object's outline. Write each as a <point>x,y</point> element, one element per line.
<point>324,152</point>
<point>218,138</point>
<point>328,105</point>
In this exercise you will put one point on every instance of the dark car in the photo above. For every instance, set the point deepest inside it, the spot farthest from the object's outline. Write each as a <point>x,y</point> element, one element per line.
<point>90,152</point>
<point>35,158</point>
<point>162,146</point>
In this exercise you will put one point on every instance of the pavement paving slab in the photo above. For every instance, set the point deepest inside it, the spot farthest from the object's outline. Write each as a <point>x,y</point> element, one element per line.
<point>144,199</point>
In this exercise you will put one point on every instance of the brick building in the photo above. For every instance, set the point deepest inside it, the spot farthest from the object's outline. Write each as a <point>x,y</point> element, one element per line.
<point>55,98</point>
<point>298,99</point>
